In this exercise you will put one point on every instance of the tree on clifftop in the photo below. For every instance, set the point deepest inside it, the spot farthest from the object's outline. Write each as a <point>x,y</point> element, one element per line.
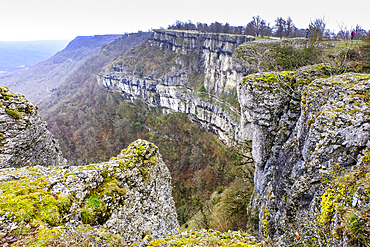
<point>280,27</point>
<point>257,27</point>
<point>317,29</point>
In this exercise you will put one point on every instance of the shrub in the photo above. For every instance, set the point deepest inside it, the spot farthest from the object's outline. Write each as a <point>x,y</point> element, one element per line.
<point>289,57</point>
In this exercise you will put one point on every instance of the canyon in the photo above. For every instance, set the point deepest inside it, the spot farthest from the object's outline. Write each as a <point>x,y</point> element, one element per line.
<point>297,126</point>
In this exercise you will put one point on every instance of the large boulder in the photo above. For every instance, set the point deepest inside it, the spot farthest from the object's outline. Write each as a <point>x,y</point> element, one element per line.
<point>129,196</point>
<point>24,137</point>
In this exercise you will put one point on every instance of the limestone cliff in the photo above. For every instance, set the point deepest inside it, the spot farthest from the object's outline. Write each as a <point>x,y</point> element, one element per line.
<point>214,52</point>
<point>24,137</point>
<point>186,72</point>
<point>130,196</point>
<point>303,123</point>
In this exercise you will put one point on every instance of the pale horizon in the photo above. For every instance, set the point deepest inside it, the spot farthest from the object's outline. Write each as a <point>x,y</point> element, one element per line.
<point>24,20</point>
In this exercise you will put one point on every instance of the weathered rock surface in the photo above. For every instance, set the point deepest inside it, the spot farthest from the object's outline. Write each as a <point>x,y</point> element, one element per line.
<point>130,195</point>
<point>192,60</point>
<point>24,137</point>
<point>303,124</point>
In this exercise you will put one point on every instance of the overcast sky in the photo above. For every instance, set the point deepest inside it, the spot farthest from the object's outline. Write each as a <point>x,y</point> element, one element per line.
<point>66,19</point>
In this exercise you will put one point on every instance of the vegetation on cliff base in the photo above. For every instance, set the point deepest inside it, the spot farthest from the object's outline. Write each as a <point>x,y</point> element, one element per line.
<point>228,207</point>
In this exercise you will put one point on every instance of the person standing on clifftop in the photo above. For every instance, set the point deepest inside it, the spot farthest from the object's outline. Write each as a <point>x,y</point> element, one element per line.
<point>353,33</point>
<point>307,33</point>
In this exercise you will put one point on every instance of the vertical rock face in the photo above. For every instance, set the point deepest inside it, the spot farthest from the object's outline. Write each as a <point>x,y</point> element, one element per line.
<point>187,72</point>
<point>24,137</point>
<point>303,124</point>
<point>215,53</point>
<point>209,111</point>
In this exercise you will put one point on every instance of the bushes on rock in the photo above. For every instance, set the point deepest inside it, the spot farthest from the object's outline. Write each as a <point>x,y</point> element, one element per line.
<point>289,57</point>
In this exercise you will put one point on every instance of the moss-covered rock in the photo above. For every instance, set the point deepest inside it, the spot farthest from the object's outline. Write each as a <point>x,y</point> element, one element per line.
<point>204,238</point>
<point>130,195</point>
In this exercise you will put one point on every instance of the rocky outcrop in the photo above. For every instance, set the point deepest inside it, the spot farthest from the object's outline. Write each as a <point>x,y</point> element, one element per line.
<point>193,64</point>
<point>130,195</point>
<point>24,137</point>
<point>303,124</point>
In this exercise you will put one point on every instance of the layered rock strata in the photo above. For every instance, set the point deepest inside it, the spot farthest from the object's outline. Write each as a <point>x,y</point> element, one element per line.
<point>24,137</point>
<point>130,195</point>
<point>215,54</point>
<point>208,56</point>
<point>205,109</point>
<point>303,124</point>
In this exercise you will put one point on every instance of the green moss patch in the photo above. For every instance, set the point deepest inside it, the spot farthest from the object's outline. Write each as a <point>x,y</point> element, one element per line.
<point>28,201</point>
<point>204,238</point>
<point>348,197</point>
<point>14,113</point>
<point>94,211</point>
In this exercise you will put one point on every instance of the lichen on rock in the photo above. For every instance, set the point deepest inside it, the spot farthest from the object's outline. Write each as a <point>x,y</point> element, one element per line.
<point>24,137</point>
<point>303,123</point>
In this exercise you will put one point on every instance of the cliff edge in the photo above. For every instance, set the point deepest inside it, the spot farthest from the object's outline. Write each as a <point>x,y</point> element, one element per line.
<point>304,123</point>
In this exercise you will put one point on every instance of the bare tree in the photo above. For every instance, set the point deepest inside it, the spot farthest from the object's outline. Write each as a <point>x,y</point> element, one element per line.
<point>256,27</point>
<point>317,29</point>
<point>360,32</point>
<point>289,27</point>
<point>280,27</point>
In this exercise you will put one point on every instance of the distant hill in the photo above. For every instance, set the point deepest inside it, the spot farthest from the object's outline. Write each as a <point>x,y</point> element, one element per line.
<point>38,82</point>
<point>21,54</point>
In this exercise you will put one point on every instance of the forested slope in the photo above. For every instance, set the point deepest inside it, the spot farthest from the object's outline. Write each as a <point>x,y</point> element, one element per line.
<point>93,124</point>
